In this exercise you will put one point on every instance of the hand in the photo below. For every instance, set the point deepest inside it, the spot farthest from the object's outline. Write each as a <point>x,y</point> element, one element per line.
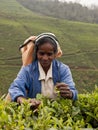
<point>8,97</point>
<point>65,92</point>
<point>27,51</point>
<point>33,102</point>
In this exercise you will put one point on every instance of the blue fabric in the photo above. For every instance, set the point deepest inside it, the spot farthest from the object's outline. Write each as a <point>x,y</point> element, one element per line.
<point>27,84</point>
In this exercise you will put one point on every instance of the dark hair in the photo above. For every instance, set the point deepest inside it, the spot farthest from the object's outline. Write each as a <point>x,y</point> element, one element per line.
<point>46,40</point>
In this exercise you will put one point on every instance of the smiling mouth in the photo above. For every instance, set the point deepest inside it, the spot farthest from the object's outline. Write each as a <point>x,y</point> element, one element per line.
<point>45,63</point>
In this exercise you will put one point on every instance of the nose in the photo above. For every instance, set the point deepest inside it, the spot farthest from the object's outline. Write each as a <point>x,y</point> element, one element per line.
<point>45,57</point>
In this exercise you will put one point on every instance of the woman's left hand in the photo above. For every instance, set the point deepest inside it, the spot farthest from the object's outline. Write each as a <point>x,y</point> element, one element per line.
<point>65,92</point>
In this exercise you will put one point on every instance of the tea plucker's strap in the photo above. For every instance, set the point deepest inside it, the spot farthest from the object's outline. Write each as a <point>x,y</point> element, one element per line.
<point>39,37</point>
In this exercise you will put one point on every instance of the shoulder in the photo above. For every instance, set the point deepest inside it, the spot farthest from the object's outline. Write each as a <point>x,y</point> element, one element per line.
<point>26,71</point>
<point>60,64</point>
<point>31,66</point>
<point>62,68</point>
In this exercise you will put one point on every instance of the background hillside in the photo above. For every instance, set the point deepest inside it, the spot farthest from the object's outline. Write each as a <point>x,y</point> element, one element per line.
<point>79,42</point>
<point>63,10</point>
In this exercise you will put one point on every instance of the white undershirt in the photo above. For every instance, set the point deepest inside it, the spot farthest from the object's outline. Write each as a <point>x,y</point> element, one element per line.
<point>47,85</point>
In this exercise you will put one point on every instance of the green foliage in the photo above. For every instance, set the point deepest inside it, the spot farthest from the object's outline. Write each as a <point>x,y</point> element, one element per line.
<point>58,114</point>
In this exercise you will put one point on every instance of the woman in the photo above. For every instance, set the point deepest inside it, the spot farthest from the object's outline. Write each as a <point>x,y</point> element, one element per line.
<point>44,73</point>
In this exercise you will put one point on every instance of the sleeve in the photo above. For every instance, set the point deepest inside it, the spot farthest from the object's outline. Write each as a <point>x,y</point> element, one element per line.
<point>66,77</point>
<point>18,87</point>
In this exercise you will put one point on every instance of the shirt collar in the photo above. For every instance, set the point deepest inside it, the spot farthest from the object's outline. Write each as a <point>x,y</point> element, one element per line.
<point>43,76</point>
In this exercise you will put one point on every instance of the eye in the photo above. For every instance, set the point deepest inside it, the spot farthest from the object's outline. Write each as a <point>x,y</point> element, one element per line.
<point>41,53</point>
<point>45,53</point>
<point>50,53</point>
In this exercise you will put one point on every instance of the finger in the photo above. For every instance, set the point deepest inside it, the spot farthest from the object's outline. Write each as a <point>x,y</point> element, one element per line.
<point>63,84</point>
<point>30,48</point>
<point>37,102</point>
<point>30,45</point>
<point>64,92</point>
<point>27,41</point>
<point>62,88</point>
<point>58,85</point>
<point>67,94</point>
<point>34,102</point>
<point>32,38</point>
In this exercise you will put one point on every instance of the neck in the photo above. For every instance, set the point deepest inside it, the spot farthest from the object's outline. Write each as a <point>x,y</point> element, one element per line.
<point>46,69</point>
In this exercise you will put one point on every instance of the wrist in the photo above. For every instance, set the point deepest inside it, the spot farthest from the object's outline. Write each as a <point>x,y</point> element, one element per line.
<point>20,99</point>
<point>71,95</point>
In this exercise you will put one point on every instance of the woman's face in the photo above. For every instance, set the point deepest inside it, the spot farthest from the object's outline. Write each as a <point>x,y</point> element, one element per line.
<point>45,55</point>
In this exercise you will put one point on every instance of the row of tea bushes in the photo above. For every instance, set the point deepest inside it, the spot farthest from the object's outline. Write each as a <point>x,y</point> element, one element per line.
<point>59,114</point>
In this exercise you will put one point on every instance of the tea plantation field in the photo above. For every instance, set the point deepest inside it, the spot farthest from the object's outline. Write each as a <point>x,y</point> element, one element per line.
<point>79,42</point>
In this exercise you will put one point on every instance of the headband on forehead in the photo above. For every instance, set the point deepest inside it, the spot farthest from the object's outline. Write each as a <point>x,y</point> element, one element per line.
<point>46,35</point>
<point>39,37</point>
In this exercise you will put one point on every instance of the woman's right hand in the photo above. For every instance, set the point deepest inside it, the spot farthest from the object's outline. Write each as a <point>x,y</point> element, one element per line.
<point>27,51</point>
<point>33,102</point>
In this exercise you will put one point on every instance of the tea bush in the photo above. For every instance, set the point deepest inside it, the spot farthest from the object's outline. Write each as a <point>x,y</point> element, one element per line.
<point>59,114</point>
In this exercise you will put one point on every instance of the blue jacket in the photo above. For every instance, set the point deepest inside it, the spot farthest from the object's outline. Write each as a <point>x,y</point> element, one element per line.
<point>27,84</point>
